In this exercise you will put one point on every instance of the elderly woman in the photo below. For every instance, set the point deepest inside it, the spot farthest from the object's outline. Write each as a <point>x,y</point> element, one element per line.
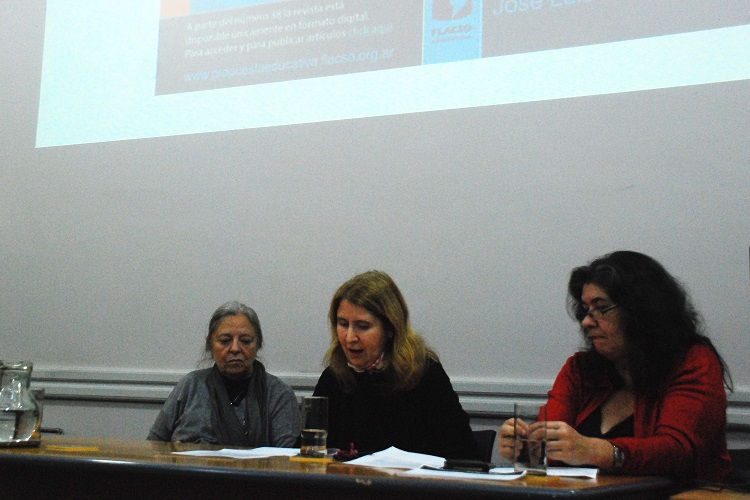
<point>235,402</point>
<point>385,386</point>
<point>647,395</point>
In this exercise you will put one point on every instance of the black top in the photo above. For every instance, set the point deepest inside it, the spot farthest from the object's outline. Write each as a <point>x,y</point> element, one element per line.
<point>592,427</point>
<point>427,419</point>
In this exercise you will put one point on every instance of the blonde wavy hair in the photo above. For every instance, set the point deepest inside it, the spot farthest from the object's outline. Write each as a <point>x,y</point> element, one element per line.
<point>406,352</point>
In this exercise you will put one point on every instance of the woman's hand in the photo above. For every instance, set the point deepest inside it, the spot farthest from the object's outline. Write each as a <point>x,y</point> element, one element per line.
<point>566,445</point>
<point>506,438</point>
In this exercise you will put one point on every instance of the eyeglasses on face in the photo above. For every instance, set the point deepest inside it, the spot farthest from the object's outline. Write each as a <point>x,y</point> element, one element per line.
<point>596,313</point>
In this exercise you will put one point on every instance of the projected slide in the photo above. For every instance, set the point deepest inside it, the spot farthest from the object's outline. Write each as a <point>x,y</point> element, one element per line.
<point>150,68</point>
<point>207,45</point>
<point>271,41</point>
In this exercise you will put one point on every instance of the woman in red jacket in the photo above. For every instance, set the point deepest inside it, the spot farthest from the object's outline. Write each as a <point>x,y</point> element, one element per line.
<point>647,396</point>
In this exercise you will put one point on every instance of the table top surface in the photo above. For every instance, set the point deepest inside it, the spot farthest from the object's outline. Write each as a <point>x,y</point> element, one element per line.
<point>72,450</point>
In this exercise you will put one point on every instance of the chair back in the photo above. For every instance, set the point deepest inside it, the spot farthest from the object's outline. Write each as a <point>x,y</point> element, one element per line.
<point>485,440</point>
<point>740,459</point>
<point>739,480</point>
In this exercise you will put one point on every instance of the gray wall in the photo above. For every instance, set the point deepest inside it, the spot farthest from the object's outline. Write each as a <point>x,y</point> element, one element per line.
<point>114,255</point>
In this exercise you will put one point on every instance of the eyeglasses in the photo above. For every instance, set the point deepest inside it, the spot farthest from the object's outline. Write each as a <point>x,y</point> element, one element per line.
<point>597,313</point>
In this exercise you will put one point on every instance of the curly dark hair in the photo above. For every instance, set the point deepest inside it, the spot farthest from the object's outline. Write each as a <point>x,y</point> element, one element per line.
<point>656,316</point>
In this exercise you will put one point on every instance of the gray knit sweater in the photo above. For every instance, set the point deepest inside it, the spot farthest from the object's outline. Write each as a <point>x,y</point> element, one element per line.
<point>186,414</point>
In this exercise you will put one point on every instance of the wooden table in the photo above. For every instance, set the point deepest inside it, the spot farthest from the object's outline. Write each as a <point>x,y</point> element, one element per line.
<point>67,467</point>
<point>711,494</point>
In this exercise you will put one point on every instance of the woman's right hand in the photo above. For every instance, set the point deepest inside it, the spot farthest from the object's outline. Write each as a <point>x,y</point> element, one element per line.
<point>506,441</point>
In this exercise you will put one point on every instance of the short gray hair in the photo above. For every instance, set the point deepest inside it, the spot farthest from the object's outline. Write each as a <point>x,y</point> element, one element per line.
<point>233,308</point>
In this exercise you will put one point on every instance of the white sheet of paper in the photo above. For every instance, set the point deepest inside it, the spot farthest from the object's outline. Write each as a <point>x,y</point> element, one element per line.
<point>263,452</point>
<point>399,459</point>
<point>558,471</point>
<point>500,474</point>
<point>572,472</point>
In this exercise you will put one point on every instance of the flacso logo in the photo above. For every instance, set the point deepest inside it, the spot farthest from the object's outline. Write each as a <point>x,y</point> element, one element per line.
<point>449,10</point>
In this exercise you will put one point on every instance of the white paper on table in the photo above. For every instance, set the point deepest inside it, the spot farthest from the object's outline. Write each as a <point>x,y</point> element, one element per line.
<point>503,473</point>
<point>558,471</point>
<point>572,472</point>
<point>262,452</point>
<point>499,474</point>
<point>399,459</point>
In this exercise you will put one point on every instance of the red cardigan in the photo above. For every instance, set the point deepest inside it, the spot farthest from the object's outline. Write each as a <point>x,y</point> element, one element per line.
<point>682,434</point>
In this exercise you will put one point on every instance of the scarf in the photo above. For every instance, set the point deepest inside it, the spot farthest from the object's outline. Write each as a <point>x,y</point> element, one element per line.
<point>227,428</point>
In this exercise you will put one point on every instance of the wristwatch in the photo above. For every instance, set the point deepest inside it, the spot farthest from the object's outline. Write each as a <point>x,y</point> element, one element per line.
<point>618,457</point>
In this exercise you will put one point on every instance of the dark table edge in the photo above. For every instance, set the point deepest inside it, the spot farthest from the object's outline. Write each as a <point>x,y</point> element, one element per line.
<point>651,486</point>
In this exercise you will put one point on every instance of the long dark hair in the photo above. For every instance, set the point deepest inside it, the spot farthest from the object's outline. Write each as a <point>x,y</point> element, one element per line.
<point>656,316</point>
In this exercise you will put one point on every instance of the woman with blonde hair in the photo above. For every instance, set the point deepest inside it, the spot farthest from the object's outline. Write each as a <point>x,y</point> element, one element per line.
<point>386,387</point>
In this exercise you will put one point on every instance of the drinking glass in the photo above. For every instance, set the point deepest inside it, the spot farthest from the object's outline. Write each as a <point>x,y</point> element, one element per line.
<point>530,434</point>
<point>314,426</point>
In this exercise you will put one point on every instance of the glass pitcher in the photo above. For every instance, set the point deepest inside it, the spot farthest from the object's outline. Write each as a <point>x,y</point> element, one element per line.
<point>19,411</point>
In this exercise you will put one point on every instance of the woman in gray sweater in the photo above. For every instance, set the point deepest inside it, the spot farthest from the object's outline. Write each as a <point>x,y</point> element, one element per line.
<point>235,402</point>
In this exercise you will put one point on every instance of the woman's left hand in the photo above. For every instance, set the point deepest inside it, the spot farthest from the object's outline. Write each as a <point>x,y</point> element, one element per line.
<point>565,444</point>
